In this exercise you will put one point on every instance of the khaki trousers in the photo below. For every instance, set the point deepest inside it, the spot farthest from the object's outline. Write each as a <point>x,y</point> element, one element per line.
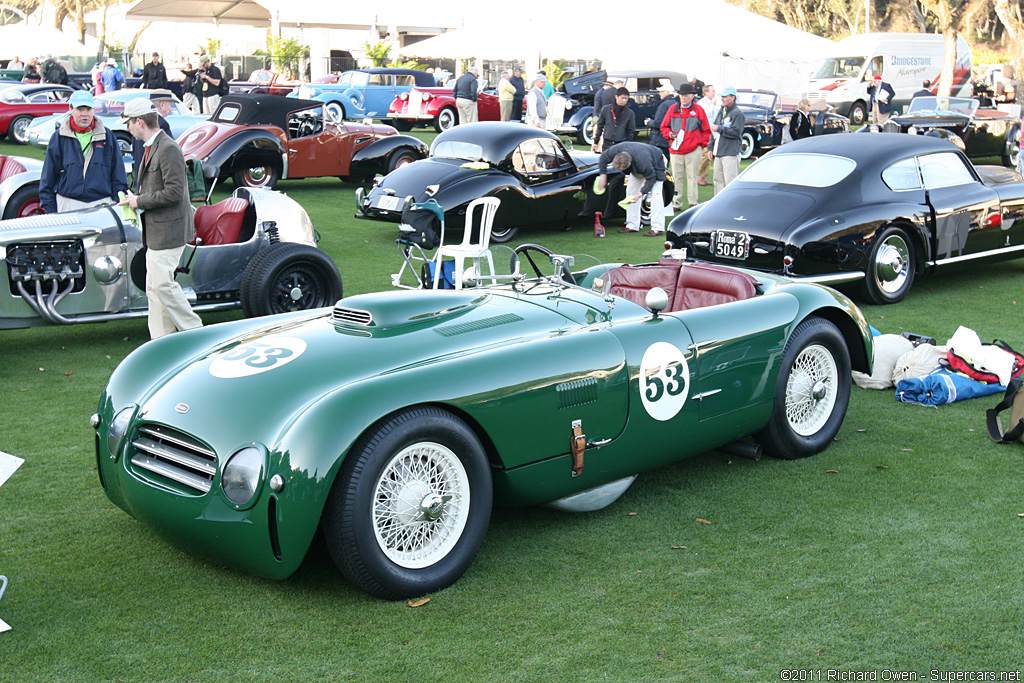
<point>467,110</point>
<point>168,310</point>
<point>685,169</point>
<point>726,170</point>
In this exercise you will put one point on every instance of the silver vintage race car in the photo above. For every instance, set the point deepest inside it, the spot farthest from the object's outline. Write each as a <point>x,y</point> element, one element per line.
<point>256,249</point>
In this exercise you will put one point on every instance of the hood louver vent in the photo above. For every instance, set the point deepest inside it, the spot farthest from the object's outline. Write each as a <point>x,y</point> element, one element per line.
<point>477,325</point>
<point>351,316</point>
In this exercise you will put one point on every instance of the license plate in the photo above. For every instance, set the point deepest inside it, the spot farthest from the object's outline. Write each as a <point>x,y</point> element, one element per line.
<point>388,202</point>
<point>730,244</point>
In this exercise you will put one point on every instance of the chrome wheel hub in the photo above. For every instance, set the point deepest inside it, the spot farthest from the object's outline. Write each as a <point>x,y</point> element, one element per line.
<point>892,264</point>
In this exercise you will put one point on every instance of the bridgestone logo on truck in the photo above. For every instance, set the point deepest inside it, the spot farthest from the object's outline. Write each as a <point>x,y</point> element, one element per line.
<point>909,61</point>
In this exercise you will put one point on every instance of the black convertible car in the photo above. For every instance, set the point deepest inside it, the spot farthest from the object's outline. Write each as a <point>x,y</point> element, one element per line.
<point>875,209</point>
<point>538,181</point>
<point>767,120</point>
<point>980,131</point>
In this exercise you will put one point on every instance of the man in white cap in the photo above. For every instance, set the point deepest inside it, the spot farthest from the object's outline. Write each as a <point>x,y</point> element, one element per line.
<point>83,165</point>
<point>166,218</point>
<point>725,149</point>
<point>111,77</point>
<point>466,92</point>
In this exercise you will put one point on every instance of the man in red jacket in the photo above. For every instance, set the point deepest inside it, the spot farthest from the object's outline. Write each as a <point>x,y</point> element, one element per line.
<point>686,128</point>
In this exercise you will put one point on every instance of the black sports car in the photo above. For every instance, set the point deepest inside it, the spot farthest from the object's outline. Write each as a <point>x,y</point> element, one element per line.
<point>878,209</point>
<point>980,131</point>
<point>767,120</point>
<point>538,181</point>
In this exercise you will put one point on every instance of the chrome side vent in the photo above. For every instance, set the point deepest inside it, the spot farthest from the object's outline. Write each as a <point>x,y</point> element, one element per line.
<point>351,316</point>
<point>477,325</point>
<point>174,457</point>
<point>578,393</point>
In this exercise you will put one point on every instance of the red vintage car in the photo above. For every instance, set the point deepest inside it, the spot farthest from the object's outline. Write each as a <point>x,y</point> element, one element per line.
<point>264,82</point>
<point>437,106</point>
<point>19,104</point>
<point>258,140</point>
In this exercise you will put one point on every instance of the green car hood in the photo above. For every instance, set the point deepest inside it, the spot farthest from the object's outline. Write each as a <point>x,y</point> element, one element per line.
<point>254,385</point>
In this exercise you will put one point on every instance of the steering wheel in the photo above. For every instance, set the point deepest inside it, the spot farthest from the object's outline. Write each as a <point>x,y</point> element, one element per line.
<point>525,250</point>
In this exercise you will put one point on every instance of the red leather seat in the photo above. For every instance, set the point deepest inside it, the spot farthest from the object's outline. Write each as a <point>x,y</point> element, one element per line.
<point>633,282</point>
<point>707,284</point>
<point>221,223</point>
<point>689,285</point>
<point>9,166</point>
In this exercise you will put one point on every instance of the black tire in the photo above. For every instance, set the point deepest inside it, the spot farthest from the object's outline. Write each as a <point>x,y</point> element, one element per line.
<point>396,551</point>
<point>257,176</point>
<point>1012,149</point>
<point>858,113</point>
<point>401,157</point>
<point>811,393</point>
<point>401,125</point>
<point>289,277</point>
<point>747,145</point>
<point>124,143</point>
<point>17,129</point>
<point>446,119</point>
<point>502,234</point>
<point>890,268</point>
<point>585,135</point>
<point>24,202</point>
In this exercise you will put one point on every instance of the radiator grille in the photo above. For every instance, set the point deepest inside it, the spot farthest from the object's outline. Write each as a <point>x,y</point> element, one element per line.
<point>174,457</point>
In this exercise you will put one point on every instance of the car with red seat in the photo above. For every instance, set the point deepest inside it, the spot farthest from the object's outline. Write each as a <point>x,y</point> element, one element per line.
<point>256,250</point>
<point>258,140</point>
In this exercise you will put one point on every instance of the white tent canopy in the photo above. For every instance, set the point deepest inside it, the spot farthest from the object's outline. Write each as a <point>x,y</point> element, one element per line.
<point>27,40</point>
<point>725,45</point>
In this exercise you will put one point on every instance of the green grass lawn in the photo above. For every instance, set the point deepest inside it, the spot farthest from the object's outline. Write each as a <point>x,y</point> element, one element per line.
<point>898,548</point>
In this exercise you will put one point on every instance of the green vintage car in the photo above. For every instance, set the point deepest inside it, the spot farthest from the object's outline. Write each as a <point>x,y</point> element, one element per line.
<point>397,419</point>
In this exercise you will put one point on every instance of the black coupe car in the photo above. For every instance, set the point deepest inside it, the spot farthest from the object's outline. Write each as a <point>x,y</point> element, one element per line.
<point>980,131</point>
<point>876,209</point>
<point>538,181</point>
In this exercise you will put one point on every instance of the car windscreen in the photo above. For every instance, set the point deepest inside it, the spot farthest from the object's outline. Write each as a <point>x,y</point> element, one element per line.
<point>840,67</point>
<point>354,78</point>
<point>456,149</point>
<point>807,170</point>
<point>930,105</point>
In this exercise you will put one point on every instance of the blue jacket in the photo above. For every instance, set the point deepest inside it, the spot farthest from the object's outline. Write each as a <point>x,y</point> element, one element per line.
<point>111,78</point>
<point>466,87</point>
<point>66,173</point>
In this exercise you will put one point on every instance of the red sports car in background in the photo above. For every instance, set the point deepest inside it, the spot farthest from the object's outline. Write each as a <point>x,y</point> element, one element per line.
<point>437,106</point>
<point>19,104</point>
<point>259,139</point>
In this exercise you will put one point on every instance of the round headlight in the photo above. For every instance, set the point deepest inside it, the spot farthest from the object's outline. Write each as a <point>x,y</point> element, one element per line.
<point>912,130</point>
<point>118,427</point>
<point>242,475</point>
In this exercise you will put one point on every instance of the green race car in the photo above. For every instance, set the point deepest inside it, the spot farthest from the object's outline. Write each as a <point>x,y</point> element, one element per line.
<point>397,419</point>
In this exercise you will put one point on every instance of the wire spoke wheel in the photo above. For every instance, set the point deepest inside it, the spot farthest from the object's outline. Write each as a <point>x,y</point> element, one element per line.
<point>811,390</point>
<point>421,505</point>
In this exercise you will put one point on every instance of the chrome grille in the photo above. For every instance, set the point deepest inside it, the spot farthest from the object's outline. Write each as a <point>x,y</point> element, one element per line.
<point>174,456</point>
<point>351,316</point>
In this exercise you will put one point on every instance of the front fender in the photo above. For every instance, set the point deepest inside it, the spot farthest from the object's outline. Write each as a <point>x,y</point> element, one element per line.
<point>218,162</point>
<point>580,116</point>
<point>374,158</point>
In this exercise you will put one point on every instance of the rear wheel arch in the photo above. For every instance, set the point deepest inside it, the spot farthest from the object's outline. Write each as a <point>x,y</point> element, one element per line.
<point>859,358</point>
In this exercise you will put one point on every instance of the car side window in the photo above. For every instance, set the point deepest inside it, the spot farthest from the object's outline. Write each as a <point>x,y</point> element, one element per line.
<point>944,169</point>
<point>405,80</point>
<point>380,79</point>
<point>529,157</point>
<point>902,176</point>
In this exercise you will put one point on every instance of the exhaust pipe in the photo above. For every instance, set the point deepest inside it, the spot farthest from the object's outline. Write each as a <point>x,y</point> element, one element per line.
<point>742,449</point>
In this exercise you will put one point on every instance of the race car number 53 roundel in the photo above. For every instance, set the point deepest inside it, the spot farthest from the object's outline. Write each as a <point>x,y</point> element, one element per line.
<point>664,380</point>
<point>257,356</point>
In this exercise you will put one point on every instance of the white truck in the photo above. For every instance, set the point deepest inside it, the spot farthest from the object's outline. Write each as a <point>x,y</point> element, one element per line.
<point>904,60</point>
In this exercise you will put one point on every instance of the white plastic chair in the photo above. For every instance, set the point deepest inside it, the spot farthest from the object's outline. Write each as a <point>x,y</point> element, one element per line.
<point>468,249</point>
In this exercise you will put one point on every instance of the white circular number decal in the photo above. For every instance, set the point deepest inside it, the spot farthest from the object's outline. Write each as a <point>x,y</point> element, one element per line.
<point>255,357</point>
<point>664,381</point>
